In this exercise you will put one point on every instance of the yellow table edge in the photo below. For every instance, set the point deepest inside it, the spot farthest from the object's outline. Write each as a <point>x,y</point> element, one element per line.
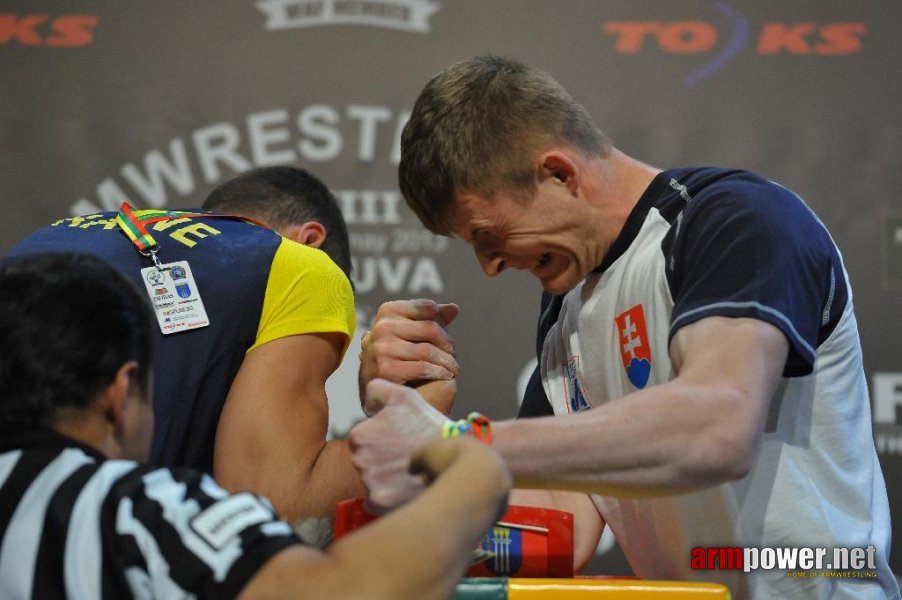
<point>633,589</point>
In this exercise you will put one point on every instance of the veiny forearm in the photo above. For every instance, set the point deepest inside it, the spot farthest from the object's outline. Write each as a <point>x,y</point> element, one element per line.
<point>667,439</point>
<point>310,485</point>
<point>700,429</point>
<point>331,478</point>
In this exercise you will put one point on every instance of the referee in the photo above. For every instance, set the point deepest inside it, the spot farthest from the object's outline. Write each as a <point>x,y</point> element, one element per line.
<point>80,519</point>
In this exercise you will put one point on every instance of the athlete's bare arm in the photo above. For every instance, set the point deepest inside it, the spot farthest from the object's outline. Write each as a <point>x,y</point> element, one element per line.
<point>271,437</point>
<point>700,429</point>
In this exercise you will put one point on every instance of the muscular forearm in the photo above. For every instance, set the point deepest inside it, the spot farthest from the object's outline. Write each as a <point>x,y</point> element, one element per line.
<point>331,479</point>
<point>312,486</point>
<point>700,429</point>
<point>271,437</point>
<point>301,485</point>
<point>667,439</point>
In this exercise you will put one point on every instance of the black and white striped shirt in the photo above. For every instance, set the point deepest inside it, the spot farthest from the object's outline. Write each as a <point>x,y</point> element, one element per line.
<point>76,525</point>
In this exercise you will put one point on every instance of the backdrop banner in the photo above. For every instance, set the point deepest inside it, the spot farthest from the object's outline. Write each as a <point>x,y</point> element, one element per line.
<point>158,102</point>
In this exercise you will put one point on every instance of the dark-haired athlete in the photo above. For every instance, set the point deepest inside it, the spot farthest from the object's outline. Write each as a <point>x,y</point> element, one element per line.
<point>244,397</point>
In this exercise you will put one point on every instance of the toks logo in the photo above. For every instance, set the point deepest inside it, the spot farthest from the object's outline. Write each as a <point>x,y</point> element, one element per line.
<point>67,31</point>
<point>634,349</point>
<point>696,36</point>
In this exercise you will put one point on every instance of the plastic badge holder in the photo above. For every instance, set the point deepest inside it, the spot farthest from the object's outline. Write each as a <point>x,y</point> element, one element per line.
<point>526,542</point>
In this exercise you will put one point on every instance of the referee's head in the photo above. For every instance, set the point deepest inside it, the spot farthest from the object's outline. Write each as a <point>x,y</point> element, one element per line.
<point>75,339</point>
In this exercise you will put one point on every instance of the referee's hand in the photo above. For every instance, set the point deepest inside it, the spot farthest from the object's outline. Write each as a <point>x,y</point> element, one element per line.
<point>484,478</point>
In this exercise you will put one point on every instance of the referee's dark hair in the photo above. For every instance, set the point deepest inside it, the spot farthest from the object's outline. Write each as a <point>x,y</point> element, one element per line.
<point>68,322</point>
<point>284,196</point>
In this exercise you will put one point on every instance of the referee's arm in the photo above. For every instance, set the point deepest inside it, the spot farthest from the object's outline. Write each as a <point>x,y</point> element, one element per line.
<point>418,551</point>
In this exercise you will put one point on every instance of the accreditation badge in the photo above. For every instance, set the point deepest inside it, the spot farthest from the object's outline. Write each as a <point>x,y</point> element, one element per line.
<point>174,297</point>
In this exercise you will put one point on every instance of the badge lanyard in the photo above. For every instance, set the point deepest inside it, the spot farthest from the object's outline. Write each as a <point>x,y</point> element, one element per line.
<point>135,228</point>
<point>173,292</point>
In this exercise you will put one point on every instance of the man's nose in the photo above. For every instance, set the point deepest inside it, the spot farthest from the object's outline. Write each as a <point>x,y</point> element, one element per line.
<point>492,264</point>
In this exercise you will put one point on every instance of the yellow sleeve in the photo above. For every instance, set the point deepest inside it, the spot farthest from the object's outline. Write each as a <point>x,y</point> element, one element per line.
<point>306,293</point>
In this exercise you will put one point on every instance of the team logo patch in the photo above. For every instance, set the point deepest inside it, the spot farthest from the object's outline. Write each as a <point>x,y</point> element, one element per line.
<point>502,550</point>
<point>634,348</point>
<point>575,397</point>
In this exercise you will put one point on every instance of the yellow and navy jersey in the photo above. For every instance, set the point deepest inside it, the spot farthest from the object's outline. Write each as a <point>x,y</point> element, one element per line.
<point>256,287</point>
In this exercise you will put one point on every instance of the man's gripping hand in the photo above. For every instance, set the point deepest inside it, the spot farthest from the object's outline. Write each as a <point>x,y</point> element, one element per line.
<point>409,344</point>
<point>383,445</point>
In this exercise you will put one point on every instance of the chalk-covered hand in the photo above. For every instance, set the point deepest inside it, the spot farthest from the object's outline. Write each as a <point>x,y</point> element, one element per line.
<point>402,423</point>
<point>409,344</point>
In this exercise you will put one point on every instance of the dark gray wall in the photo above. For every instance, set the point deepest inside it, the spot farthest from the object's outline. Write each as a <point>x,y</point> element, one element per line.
<point>159,101</point>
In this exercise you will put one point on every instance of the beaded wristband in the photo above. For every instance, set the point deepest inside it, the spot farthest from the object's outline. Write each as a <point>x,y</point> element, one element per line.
<point>475,425</point>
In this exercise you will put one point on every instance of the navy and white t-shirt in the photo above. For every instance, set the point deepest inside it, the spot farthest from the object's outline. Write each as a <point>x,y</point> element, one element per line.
<point>714,242</point>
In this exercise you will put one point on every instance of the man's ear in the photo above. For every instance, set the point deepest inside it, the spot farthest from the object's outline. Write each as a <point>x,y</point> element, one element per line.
<point>557,166</point>
<point>311,234</point>
<point>111,402</point>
